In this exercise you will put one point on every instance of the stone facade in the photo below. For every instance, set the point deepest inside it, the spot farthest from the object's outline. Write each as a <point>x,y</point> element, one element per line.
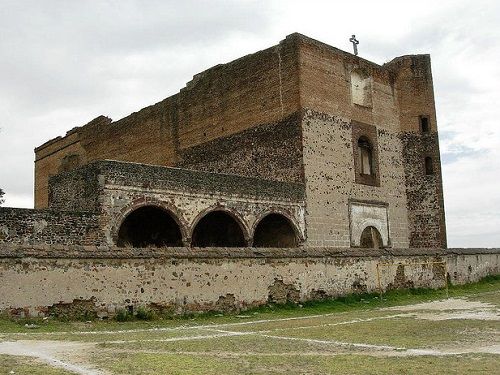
<point>51,227</point>
<point>298,112</point>
<point>327,163</point>
<point>39,281</point>
<point>90,204</point>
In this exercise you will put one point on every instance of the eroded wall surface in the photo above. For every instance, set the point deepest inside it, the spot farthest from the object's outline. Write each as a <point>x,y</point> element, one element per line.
<point>189,195</point>
<point>35,281</point>
<point>26,226</point>
<point>344,98</point>
<point>108,191</point>
<point>256,90</point>
<point>331,182</point>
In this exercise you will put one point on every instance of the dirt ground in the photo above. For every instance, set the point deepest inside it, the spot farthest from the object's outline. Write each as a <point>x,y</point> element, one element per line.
<point>454,335</point>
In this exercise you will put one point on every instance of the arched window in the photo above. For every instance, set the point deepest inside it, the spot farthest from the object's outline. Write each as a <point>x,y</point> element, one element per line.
<point>218,229</point>
<point>365,156</point>
<point>149,226</point>
<point>361,88</point>
<point>429,167</point>
<point>371,238</point>
<point>275,230</point>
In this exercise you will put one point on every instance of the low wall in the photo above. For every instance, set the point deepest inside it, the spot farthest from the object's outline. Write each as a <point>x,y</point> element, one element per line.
<point>28,226</point>
<point>40,280</point>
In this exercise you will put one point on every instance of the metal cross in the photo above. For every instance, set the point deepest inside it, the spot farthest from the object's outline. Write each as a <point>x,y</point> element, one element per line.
<point>355,43</point>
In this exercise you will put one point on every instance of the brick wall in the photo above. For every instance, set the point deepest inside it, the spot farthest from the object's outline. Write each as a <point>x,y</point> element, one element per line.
<point>413,80</point>
<point>258,89</point>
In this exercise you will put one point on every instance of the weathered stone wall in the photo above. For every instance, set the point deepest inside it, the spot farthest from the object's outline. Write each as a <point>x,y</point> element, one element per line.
<point>189,195</point>
<point>112,190</point>
<point>26,226</point>
<point>292,112</point>
<point>258,89</point>
<point>191,181</point>
<point>399,93</point>
<point>76,190</point>
<point>271,151</point>
<point>413,81</point>
<point>37,281</point>
<point>331,181</point>
<point>424,191</point>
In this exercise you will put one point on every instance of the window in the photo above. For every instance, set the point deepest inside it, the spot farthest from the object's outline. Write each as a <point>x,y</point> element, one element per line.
<point>424,124</point>
<point>365,156</point>
<point>429,167</point>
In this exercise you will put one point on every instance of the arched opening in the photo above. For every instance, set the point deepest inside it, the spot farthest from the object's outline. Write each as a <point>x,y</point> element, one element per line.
<point>365,156</point>
<point>218,229</point>
<point>429,167</point>
<point>149,226</point>
<point>275,230</point>
<point>371,238</point>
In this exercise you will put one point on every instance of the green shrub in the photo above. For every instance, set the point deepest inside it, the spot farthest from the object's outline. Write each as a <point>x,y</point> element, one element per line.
<point>123,315</point>
<point>144,314</point>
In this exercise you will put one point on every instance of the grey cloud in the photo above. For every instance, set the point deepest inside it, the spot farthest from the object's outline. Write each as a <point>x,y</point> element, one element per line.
<point>54,46</point>
<point>63,63</point>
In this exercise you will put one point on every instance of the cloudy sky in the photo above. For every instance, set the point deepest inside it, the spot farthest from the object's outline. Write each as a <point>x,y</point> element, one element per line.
<point>62,63</point>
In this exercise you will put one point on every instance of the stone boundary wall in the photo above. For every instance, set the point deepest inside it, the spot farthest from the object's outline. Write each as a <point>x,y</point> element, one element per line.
<point>47,227</point>
<point>38,281</point>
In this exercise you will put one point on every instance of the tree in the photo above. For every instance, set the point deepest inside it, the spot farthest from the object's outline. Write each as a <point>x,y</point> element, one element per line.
<point>1,196</point>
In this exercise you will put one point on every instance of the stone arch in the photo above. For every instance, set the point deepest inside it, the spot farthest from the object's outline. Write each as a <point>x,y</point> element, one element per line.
<point>371,238</point>
<point>155,206</point>
<point>361,87</point>
<point>219,227</point>
<point>275,229</point>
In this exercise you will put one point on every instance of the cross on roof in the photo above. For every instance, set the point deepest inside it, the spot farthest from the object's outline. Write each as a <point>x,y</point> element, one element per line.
<point>355,43</point>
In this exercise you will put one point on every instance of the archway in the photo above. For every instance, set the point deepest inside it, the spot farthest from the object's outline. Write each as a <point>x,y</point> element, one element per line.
<point>275,230</point>
<point>218,229</point>
<point>149,226</point>
<point>371,238</point>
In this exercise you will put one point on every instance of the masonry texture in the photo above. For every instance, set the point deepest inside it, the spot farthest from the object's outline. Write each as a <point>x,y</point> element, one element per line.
<point>45,281</point>
<point>326,162</point>
<point>296,112</point>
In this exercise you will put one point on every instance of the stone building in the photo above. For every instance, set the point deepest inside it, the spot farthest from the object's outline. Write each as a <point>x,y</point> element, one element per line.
<point>297,173</point>
<point>300,144</point>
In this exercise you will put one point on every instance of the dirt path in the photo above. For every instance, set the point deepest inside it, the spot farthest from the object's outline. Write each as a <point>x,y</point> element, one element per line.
<point>63,354</point>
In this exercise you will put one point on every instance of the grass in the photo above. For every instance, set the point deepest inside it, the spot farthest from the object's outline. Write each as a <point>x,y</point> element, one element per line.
<point>304,344</point>
<point>406,333</point>
<point>143,363</point>
<point>27,366</point>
